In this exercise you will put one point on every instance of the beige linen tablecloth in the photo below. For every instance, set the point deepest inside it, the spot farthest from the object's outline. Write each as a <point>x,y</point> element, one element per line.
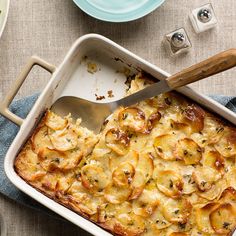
<point>47,28</point>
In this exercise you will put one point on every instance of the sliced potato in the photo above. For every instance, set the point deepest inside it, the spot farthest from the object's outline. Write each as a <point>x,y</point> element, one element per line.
<point>230,177</point>
<point>229,164</point>
<point>137,83</point>
<point>27,164</point>
<point>214,160</point>
<point>49,182</point>
<point>94,178</point>
<point>211,133</point>
<point>52,159</point>
<point>40,139</point>
<point>151,230</point>
<point>177,210</point>
<point>143,173</point>
<point>108,211</point>
<point>226,146</point>
<point>213,130</point>
<point>118,141</point>
<point>146,203</point>
<point>64,140</point>
<point>170,183</point>
<point>132,118</point>
<point>202,217</point>
<point>152,121</point>
<point>223,218</point>
<point>79,197</point>
<point>137,185</point>
<point>168,100</point>
<point>123,174</point>
<point>228,196</point>
<point>188,151</point>
<point>215,191</point>
<point>180,126</point>
<point>139,142</point>
<point>115,194</point>
<point>205,176</point>
<point>189,185</point>
<point>131,157</point>
<point>145,165</point>
<point>164,146</point>
<point>194,116</point>
<point>75,155</point>
<point>129,224</point>
<point>55,122</point>
<point>63,184</point>
<point>159,221</point>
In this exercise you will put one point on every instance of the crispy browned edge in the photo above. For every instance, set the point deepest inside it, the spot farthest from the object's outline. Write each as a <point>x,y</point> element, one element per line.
<point>105,226</point>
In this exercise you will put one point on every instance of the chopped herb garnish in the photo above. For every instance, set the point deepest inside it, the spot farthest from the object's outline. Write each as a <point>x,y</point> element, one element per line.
<point>57,160</point>
<point>226,225</point>
<point>143,204</point>
<point>125,115</point>
<point>182,225</point>
<point>167,101</point>
<point>131,223</point>
<point>219,129</point>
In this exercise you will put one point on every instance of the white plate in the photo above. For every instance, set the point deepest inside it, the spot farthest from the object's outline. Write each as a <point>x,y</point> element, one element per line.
<point>4,8</point>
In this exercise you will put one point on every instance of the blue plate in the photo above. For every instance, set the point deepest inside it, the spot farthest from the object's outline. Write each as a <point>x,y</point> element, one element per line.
<point>118,10</point>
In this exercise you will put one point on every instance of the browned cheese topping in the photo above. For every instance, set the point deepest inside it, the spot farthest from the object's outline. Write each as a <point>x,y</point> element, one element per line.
<point>164,166</point>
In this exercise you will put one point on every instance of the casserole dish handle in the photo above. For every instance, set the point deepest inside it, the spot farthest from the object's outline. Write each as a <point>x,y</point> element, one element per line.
<point>4,106</point>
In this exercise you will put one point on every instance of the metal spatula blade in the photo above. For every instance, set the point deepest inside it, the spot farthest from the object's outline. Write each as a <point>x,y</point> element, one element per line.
<point>93,114</point>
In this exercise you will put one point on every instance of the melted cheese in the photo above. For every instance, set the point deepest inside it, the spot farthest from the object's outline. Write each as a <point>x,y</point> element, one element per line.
<point>161,167</point>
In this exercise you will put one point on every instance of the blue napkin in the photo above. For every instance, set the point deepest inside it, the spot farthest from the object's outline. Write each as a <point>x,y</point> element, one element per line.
<point>9,130</point>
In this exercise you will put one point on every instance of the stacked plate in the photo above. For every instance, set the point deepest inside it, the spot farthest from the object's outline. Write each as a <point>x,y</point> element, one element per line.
<point>118,10</point>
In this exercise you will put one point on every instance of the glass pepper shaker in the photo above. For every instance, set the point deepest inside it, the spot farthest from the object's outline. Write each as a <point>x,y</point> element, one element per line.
<point>177,41</point>
<point>203,18</point>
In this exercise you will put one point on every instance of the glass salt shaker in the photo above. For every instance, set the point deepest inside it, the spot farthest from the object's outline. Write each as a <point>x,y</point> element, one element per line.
<point>203,18</point>
<point>177,42</point>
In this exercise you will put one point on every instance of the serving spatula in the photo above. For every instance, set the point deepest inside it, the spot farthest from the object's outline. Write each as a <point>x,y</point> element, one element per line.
<point>93,114</point>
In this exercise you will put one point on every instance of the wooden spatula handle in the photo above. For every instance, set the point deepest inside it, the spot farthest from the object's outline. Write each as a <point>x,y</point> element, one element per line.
<point>218,63</point>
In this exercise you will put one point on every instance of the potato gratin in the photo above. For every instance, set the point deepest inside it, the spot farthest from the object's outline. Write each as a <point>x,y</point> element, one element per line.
<point>162,167</point>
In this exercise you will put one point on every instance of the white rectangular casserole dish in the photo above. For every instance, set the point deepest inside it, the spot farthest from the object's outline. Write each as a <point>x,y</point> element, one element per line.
<point>71,78</point>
